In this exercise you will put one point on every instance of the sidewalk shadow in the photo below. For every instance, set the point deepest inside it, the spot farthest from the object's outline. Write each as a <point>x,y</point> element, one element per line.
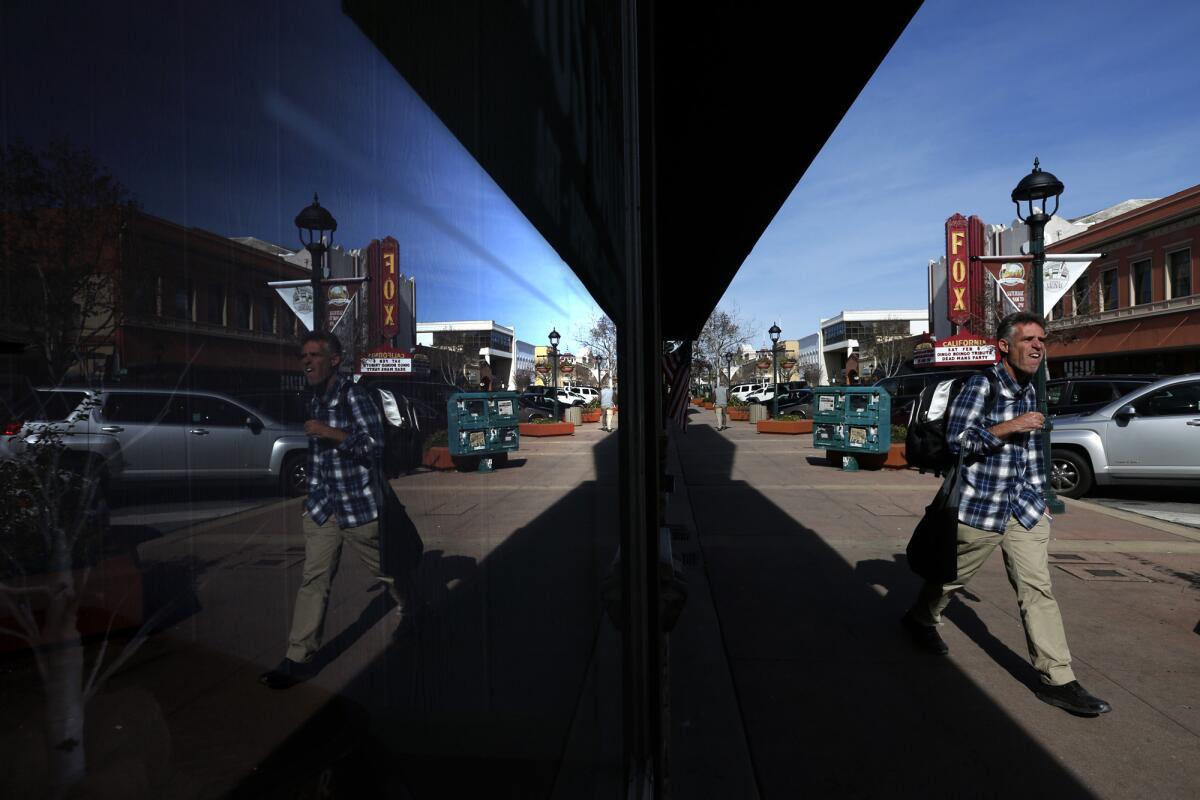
<point>835,702</point>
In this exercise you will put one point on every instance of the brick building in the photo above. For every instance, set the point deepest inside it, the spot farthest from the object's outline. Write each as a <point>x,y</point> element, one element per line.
<point>1137,309</point>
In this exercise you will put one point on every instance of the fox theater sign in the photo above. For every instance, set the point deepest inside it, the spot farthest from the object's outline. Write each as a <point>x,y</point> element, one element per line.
<point>965,290</point>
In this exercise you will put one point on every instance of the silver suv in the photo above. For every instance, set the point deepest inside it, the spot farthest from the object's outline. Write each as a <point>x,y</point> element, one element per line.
<point>1151,436</point>
<point>167,435</point>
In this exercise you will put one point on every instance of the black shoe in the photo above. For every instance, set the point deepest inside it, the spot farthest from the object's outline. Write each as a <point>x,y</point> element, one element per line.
<point>287,674</point>
<point>1074,698</point>
<point>925,637</point>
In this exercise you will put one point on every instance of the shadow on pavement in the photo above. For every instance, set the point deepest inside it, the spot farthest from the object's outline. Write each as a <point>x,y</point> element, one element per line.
<point>481,699</point>
<point>835,702</point>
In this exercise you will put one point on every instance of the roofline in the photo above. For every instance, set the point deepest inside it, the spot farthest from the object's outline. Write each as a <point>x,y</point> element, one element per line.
<point>1155,213</point>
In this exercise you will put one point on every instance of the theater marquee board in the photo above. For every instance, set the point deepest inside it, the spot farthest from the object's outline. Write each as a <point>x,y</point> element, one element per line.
<point>965,349</point>
<point>386,361</point>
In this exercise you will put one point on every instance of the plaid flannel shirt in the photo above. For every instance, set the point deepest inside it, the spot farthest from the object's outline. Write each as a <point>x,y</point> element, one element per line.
<point>1001,478</point>
<point>339,475</point>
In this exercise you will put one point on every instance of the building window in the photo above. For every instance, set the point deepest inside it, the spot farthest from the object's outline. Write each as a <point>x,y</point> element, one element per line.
<point>241,311</point>
<point>1110,296</point>
<point>216,304</point>
<point>266,315</point>
<point>1179,273</point>
<point>1142,286</point>
<point>183,301</point>
<point>1057,311</point>
<point>1081,296</point>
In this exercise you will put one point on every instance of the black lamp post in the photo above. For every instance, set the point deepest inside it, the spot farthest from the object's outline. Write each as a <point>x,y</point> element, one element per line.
<point>554,339</point>
<point>728,370</point>
<point>774,332</point>
<point>599,369</point>
<point>313,223</point>
<point>1040,186</point>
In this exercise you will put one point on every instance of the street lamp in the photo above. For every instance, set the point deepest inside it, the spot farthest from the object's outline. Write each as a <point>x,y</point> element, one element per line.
<point>774,332</point>
<point>313,223</point>
<point>554,340</point>
<point>599,370</point>
<point>729,369</point>
<point>1040,186</point>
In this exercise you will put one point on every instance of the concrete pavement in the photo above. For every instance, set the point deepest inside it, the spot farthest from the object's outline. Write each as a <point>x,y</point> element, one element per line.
<point>789,673</point>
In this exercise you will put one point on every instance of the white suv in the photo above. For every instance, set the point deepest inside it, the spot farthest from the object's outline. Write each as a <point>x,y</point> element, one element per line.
<point>743,390</point>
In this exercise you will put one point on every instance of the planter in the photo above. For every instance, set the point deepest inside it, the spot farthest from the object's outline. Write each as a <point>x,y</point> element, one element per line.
<point>792,428</point>
<point>708,406</point>
<point>738,414</point>
<point>895,458</point>
<point>573,415</point>
<point>437,458</point>
<point>591,415</point>
<point>548,429</point>
<point>758,412</point>
<point>697,401</point>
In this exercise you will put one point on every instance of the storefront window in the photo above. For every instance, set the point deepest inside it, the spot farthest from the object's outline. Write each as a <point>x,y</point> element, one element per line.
<point>1109,297</point>
<point>1081,296</point>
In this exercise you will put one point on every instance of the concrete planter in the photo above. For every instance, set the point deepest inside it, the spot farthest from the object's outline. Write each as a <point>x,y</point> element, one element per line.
<point>758,412</point>
<point>573,415</point>
<point>738,414</point>
<point>437,458</point>
<point>548,429</point>
<point>792,428</point>
<point>591,415</point>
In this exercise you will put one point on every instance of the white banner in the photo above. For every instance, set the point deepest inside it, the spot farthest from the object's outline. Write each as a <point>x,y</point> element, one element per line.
<point>1058,278</point>
<point>300,300</point>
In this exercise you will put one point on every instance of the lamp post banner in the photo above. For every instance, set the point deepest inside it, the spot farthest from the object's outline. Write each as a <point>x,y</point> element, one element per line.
<point>1058,278</point>
<point>338,297</point>
<point>300,300</point>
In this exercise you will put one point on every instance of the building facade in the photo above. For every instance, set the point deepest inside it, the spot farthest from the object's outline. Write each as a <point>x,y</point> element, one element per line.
<point>849,341</point>
<point>483,346</point>
<point>1137,309</point>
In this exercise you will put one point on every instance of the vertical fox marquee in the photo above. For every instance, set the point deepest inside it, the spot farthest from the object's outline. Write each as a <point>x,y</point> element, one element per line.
<point>383,265</point>
<point>965,296</point>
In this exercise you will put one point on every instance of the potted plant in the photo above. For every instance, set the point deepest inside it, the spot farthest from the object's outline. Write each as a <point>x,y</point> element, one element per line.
<point>436,454</point>
<point>895,456</point>
<point>737,410</point>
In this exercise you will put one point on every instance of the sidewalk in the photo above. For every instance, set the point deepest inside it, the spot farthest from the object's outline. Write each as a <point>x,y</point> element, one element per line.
<point>825,697</point>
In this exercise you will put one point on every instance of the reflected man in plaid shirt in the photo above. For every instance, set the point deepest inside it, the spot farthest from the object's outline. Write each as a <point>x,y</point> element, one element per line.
<point>1002,480</point>
<point>345,442</point>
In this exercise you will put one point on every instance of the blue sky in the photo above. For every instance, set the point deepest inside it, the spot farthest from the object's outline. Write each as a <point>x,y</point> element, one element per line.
<point>1105,93</point>
<point>226,117</point>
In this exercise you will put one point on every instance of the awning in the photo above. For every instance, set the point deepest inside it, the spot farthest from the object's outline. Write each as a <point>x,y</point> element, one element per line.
<point>1168,331</point>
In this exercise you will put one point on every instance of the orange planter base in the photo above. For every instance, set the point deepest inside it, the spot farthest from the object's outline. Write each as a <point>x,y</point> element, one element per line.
<point>591,416</point>
<point>793,428</point>
<point>738,416</point>
<point>437,458</point>
<point>895,458</point>
<point>548,429</point>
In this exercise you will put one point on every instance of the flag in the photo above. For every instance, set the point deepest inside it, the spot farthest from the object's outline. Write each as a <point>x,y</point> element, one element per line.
<point>677,371</point>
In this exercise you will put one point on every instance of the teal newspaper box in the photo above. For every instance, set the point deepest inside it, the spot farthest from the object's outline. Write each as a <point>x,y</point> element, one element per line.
<point>483,424</point>
<point>852,419</point>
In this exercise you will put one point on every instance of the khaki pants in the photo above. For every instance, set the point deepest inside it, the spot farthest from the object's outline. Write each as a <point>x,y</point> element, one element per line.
<point>1029,573</point>
<point>608,419</point>
<point>720,416</point>
<point>322,552</point>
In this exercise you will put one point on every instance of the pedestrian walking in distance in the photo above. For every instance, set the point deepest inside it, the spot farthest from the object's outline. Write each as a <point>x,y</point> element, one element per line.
<point>345,443</point>
<point>1002,478</point>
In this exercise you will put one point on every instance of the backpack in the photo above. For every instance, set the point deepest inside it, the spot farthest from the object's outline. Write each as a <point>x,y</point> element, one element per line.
<point>925,446</point>
<point>401,428</point>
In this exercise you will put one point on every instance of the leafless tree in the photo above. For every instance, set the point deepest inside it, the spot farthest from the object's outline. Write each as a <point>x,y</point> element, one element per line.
<point>522,379</point>
<point>601,340</point>
<point>889,353</point>
<point>725,331</point>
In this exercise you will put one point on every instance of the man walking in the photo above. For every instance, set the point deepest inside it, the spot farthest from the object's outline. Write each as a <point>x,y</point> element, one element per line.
<point>345,443</point>
<point>1002,505</point>
<point>720,401</point>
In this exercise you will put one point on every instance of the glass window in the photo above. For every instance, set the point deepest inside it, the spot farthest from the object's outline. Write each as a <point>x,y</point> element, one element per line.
<point>1109,295</point>
<point>1179,273</point>
<point>1125,387</point>
<point>912,385</point>
<point>204,410</point>
<point>241,311</point>
<point>1054,393</point>
<point>1085,392</point>
<point>1180,399</point>
<point>1142,286</point>
<point>181,307</point>
<point>48,406</point>
<point>215,304</point>
<point>143,408</point>
<point>890,385</point>
<point>1081,296</point>
<point>265,316</point>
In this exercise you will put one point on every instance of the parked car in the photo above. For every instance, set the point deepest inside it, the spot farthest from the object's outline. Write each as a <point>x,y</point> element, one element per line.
<point>153,435</point>
<point>1151,436</point>
<point>531,407</point>
<point>796,401</point>
<point>1086,394</point>
<point>588,393</point>
<point>743,390</point>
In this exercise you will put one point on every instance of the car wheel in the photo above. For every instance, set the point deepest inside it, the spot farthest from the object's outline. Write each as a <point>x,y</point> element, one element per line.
<point>294,477</point>
<point>1070,474</point>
